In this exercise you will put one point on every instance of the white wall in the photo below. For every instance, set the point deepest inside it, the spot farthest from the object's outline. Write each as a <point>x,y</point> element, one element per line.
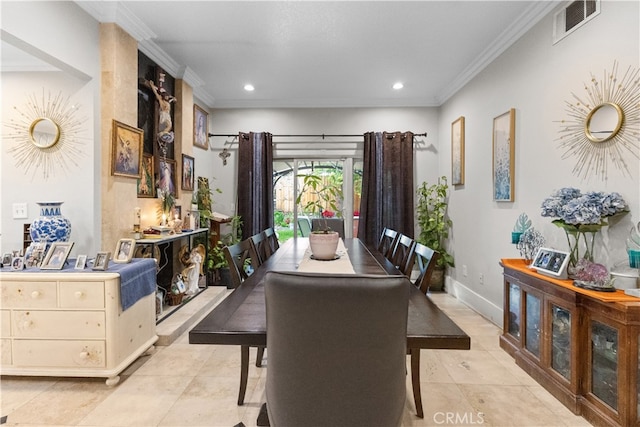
<point>536,78</point>
<point>50,31</point>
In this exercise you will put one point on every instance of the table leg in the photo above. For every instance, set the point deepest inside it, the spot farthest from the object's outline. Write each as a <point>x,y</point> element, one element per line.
<point>244,372</point>
<point>415,380</point>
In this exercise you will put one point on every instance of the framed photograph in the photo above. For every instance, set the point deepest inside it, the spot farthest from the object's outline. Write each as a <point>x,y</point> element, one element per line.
<point>504,131</point>
<point>81,262</point>
<point>177,212</point>
<point>17,263</point>
<point>126,149</point>
<point>6,259</point>
<point>457,151</point>
<point>551,262</point>
<point>167,175</point>
<point>56,256</point>
<point>125,248</point>
<point>146,186</point>
<point>187,173</point>
<point>102,261</point>
<point>200,128</point>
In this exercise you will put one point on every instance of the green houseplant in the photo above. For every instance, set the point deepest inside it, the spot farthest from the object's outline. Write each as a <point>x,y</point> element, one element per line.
<point>431,210</point>
<point>216,261</point>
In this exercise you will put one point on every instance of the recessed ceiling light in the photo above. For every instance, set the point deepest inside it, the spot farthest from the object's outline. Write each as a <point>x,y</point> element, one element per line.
<point>249,87</point>
<point>398,85</point>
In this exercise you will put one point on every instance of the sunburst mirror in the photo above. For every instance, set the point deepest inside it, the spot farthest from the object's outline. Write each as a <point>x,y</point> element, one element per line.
<point>46,134</point>
<point>604,124</point>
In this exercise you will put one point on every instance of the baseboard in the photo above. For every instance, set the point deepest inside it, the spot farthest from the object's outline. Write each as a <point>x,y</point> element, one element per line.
<point>475,301</point>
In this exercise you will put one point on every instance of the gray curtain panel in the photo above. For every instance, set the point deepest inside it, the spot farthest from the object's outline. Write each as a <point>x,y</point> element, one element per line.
<point>255,182</point>
<point>387,185</point>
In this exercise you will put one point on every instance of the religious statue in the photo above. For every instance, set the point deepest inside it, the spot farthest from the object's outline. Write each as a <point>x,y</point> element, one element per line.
<point>165,125</point>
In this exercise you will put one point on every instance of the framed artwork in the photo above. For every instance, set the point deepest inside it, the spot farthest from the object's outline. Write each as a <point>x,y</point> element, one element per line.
<point>56,256</point>
<point>17,263</point>
<point>167,175</point>
<point>200,128</point>
<point>126,149</point>
<point>504,131</point>
<point>551,262</point>
<point>457,151</point>
<point>146,187</point>
<point>81,262</point>
<point>187,173</point>
<point>102,261</point>
<point>125,248</point>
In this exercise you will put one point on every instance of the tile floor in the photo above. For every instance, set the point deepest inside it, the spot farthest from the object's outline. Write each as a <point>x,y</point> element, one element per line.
<point>197,385</point>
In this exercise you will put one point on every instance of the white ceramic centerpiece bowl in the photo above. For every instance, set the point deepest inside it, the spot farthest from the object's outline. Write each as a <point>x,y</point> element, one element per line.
<point>324,245</point>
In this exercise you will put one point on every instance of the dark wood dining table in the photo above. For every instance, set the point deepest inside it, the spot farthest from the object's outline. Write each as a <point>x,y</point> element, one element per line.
<point>240,318</point>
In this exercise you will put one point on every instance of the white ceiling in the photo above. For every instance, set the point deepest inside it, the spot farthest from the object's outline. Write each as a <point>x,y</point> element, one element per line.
<point>322,53</point>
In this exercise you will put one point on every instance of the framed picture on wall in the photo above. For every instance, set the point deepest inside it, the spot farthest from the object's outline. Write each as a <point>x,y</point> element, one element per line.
<point>504,131</point>
<point>457,151</point>
<point>167,175</point>
<point>146,187</point>
<point>200,128</point>
<point>187,173</point>
<point>126,149</point>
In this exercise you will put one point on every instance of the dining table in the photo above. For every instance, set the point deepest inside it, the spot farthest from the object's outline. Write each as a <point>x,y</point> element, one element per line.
<point>240,319</point>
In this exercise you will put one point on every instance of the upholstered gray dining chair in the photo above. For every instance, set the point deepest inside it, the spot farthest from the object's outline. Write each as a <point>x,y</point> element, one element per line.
<point>337,349</point>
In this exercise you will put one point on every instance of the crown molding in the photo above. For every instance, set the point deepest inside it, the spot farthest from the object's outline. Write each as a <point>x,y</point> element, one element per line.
<point>530,17</point>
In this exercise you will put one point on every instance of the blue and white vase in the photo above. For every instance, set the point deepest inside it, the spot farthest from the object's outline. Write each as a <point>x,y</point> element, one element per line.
<point>50,226</point>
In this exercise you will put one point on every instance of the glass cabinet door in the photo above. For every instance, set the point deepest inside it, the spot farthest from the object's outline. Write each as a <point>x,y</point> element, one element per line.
<point>561,341</point>
<point>604,363</point>
<point>532,338</point>
<point>514,310</point>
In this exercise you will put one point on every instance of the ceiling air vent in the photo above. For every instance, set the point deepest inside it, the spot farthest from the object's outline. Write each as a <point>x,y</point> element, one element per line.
<point>572,16</point>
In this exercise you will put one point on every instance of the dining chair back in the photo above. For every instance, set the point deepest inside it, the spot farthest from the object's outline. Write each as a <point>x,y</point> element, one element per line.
<point>426,259</point>
<point>261,247</point>
<point>402,256</point>
<point>239,256</point>
<point>272,238</point>
<point>336,319</point>
<point>387,242</point>
<point>335,224</point>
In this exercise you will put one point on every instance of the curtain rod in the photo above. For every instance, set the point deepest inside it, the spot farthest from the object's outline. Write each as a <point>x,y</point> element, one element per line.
<point>306,136</point>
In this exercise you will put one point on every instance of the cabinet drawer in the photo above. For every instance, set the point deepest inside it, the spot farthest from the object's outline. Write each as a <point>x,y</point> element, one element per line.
<point>81,294</point>
<point>5,323</point>
<point>47,353</point>
<point>5,352</point>
<point>58,324</point>
<point>29,294</point>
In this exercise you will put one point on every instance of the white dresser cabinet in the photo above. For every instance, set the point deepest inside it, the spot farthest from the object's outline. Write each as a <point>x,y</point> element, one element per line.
<point>71,324</point>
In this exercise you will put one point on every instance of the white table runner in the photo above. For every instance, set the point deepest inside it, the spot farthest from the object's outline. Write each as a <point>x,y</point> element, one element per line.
<point>341,265</point>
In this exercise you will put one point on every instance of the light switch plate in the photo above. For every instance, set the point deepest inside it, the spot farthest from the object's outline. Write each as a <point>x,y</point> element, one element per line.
<point>20,211</point>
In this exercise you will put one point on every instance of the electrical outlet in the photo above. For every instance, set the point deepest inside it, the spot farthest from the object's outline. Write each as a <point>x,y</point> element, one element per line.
<point>481,279</point>
<point>464,270</point>
<point>20,211</point>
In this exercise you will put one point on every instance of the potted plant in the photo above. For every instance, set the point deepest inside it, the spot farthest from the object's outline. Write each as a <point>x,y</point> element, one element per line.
<point>435,224</point>
<point>216,261</point>
<point>203,197</point>
<point>321,195</point>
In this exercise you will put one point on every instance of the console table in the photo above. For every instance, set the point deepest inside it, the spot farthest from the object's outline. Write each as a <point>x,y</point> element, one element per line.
<point>72,323</point>
<point>581,345</point>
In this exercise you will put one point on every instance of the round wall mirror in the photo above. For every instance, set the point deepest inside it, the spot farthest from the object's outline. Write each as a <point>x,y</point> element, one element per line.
<point>44,132</point>
<point>603,122</point>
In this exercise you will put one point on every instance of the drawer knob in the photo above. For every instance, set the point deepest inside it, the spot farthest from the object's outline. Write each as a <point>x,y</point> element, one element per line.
<point>79,294</point>
<point>84,355</point>
<point>27,324</point>
<point>35,294</point>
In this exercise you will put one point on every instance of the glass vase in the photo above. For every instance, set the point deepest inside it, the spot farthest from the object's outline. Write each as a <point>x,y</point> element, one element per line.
<point>580,246</point>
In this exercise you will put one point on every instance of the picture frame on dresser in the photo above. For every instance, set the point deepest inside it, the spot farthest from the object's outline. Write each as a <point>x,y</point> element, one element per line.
<point>125,248</point>
<point>81,262</point>
<point>551,262</point>
<point>101,262</point>
<point>56,256</point>
<point>17,263</point>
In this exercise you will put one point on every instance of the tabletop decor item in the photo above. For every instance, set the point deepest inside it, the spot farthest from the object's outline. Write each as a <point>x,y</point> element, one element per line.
<point>593,276</point>
<point>581,216</point>
<point>529,244</point>
<point>633,246</point>
<point>523,223</point>
<point>50,226</point>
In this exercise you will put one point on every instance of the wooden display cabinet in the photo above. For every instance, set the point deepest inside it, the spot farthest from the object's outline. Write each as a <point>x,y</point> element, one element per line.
<point>583,350</point>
